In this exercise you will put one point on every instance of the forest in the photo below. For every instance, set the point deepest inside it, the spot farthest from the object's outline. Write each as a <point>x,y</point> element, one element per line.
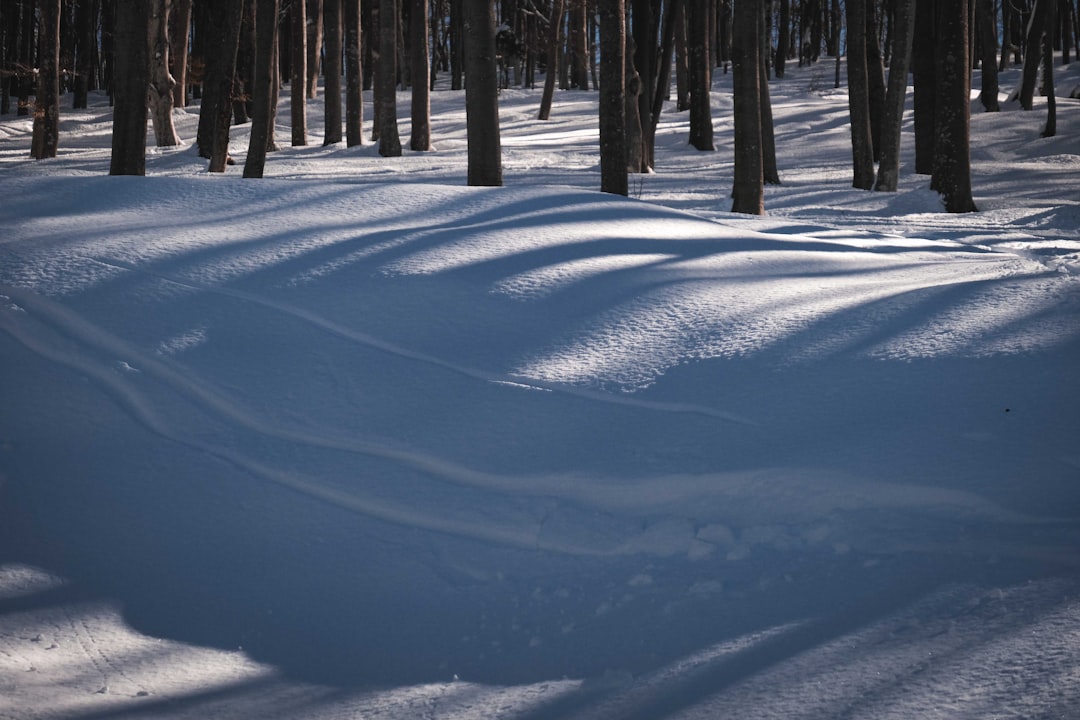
<point>164,54</point>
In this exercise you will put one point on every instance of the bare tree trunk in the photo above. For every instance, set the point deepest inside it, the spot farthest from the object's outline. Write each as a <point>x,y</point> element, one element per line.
<point>46,137</point>
<point>924,74</point>
<point>179,30</point>
<point>297,74</point>
<point>952,158</point>
<point>635,140</point>
<point>332,71</point>
<point>748,189</point>
<point>643,62</point>
<point>266,12</point>
<point>354,76</point>
<point>554,34</point>
<point>904,26</point>
<point>985,19</point>
<point>132,73</point>
<point>419,33</point>
<point>613,176</point>
<point>314,45</point>
<point>86,43</point>
<point>1037,29</point>
<point>161,80</point>
<point>770,171</point>
<point>862,146</point>
<point>784,39</point>
<point>386,81</point>
<point>1048,74</point>
<point>231,17</point>
<point>701,129</point>
<point>579,43</point>
<point>482,94</point>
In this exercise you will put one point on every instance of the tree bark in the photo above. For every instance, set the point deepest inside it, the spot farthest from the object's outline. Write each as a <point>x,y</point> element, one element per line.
<point>332,71</point>
<point>952,159</point>
<point>419,68</point>
<point>354,75</point>
<point>179,30</point>
<point>132,73</point>
<point>1037,29</point>
<point>314,45</point>
<point>554,34</point>
<point>232,15</point>
<point>386,81</point>
<point>748,190</point>
<point>862,147</point>
<point>896,94</point>
<point>86,45</point>
<point>769,169</point>
<point>985,19</point>
<point>46,135</point>
<point>783,39</point>
<point>1048,74</point>
<point>924,74</point>
<point>266,12</point>
<point>482,94</point>
<point>161,80</point>
<point>642,63</point>
<point>701,129</point>
<point>613,175</point>
<point>298,74</point>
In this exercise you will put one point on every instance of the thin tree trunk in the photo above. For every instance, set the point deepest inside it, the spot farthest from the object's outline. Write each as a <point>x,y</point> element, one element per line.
<point>613,175</point>
<point>419,62</point>
<point>952,158</point>
<point>701,129</point>
<point>179,30</point>
<point>895,96</point>
<point>161,80</point>
<point>386,81</point>
<point>266,12</point>
<point>1048,74</point>
<point>554,27</point>
<point>46,135</point>
<point>297,74</point>
<point>784,38</point>
<point>482,94</point>
<point>748,189</point>
<point>354,75</point>
<point>634,134</point>
<point>1037,27</point>
<point>769,169</point>
<point>924,73</point>
<point>643,64</point>
<point>314,45</point>
<point>862,148</point>
<point>875,78</point>
<point>86,43</point>
<point>132,73</point>
<point>332,71</point>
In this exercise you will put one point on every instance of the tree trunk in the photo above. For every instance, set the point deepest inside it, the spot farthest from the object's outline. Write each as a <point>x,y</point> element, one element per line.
<point>862,148</point>
<point>314,44</point>
<point>701,129</point>
<point>875,78</point>
<point>132,73</point>
<point>643,64</point>
<point>769,169</point>
<point>354,75</point>
<point>297,73</point>
<point>86,44</point>
<point>419,62</point>
<point>332,71</point>
<point>1048,74</point>
<point>748,190</point>
<point>554,27</point>
<point>1037,27</point>
<point>46,136</point>
<point>579,43</point>
<point>985,19</point>
<point>904,27</point>
<point>266,12</point>
<point>952,158</point>
<point>244,78</point>
<point>784,38</point>
<point>482,94</point>
<point>386,81</point>
<point>613,176</point>
<point>179,30</point>
<point>634,134</point>
<point>924,74</point>
<point>161,80</point>
<point>232,15</point>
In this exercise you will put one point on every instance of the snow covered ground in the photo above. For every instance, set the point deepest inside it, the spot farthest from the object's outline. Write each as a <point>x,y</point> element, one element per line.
<point>355,440</point>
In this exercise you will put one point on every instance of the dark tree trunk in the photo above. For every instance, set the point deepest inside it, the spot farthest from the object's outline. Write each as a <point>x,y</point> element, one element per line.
<point>179,30</point>
<point>862,148</point>
<point>1037,29</point>
<point>770,171</point>
<point>952,159</point>
<point>244,78</point>
<point>354,75</point>
<point>332,71</point>
<point>613,176</point>
<point>748,190</point>
<point>1006,36</point>
<point>554,34</point>
<point>903,29</point>
<point>85,45</point>
<point>663,84</point>
<point>46,137</point>
<point>579,44</point>
<point>682,58</point>
<point>232,15</point>
<point>457,44</point>
<point>132,73</point>
<point>386,81</point>
<point>783,39</point>
<point>986,27</point>
<point>1048,73</point>
<point>419,63</point>
<point>313,44</point>
<point>297,73</point>
<point>643,64</point>
<point>635,143</point>
<point>701,129</point>
<point>924,73</point>
<point>262,103</point>
<point>875,76</point>
<point>482,94</point>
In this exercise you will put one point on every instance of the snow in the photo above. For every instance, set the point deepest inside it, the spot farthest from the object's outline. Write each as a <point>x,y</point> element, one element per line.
<point>356,440</point>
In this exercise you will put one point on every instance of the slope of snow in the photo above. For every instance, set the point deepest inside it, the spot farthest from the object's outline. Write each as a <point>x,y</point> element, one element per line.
<point>357,440</point>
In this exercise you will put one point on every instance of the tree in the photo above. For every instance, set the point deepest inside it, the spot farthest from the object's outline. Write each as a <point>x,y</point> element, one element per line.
<point>232,14</point>
<point>266,12</point>
<point>179,30</point>
<point>354,75</point>
<point>770,172</point>
<point>419,69</point>
<point>297,74</point>
<point>748,191</point>
<point>952,155</point>
<point>862,146</point>
<point>783,39</point>
<point>386,81</point>
<point>86,13</point>
<point>924,73</point>
<point>161,80</point>
<point>482,94</point>
<point>554,26</point>
<point>701,129</point>
<point>986,27</point>
<point>46,137</point>
<point>613,175</point>
<point>332,71</point>
<point>1048,74</point>
<point>895,95</point>
<point>222,26</point>
<point>132,75</point>
<point>314,43</point>
<point>1037,30</point>
<point>642,65</point>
